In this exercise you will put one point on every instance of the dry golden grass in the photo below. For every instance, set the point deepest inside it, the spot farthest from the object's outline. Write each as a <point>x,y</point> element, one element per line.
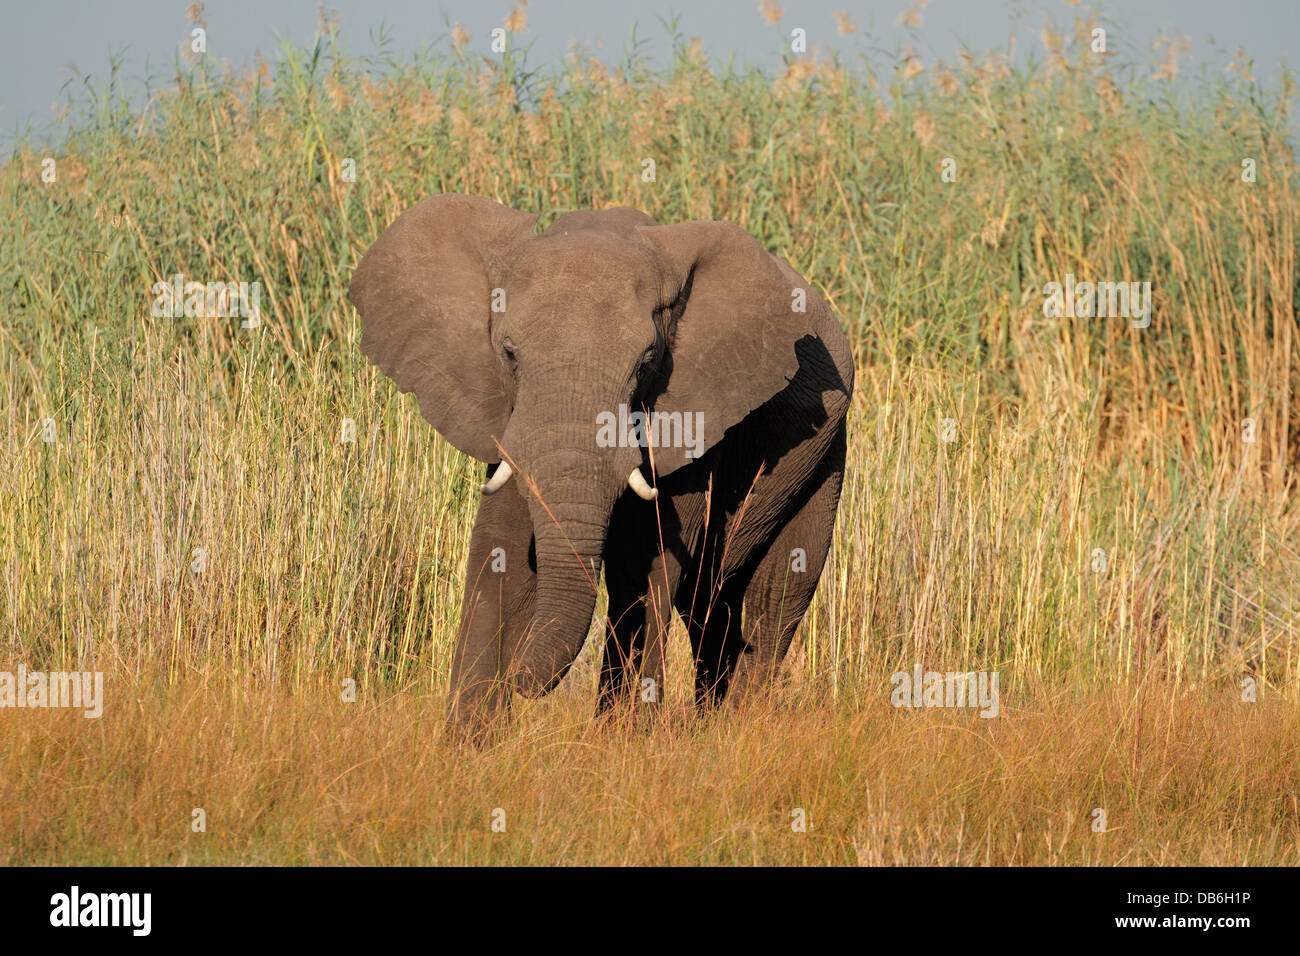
<point>305,779</point>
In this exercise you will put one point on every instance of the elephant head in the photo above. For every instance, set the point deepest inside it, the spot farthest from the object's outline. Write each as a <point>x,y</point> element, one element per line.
<point>516,344</point>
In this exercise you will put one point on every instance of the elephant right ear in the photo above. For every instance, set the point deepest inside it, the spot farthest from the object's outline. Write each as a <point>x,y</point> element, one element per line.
<point>423,293</point>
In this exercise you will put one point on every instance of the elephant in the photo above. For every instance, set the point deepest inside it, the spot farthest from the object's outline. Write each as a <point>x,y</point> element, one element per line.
<point>666,403</point>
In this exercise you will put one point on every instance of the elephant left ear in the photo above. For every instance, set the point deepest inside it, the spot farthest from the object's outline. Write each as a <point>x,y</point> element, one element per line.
<point>744,325</point>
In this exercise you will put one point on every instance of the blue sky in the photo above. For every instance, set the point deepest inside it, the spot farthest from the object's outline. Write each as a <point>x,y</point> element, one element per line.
<point>44,45</point>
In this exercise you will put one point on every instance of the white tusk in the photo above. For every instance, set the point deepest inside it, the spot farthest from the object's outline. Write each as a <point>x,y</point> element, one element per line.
<point>638,484</point>
<point>498,479</point>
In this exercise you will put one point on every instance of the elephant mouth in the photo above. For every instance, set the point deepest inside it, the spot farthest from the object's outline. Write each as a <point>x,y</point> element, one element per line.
<point>635,480</point>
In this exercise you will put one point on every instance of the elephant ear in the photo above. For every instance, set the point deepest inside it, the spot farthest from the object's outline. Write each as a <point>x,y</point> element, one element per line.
<point>424,296</point>
<point>741,322</point>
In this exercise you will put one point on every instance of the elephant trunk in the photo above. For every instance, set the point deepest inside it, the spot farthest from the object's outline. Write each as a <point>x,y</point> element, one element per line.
<point>566,597</point>
<point>569,546</point>
<point>571,488</point>
<point>571,485</point>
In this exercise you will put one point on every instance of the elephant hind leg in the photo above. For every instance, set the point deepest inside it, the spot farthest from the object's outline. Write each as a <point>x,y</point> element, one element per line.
<point>785,581</point>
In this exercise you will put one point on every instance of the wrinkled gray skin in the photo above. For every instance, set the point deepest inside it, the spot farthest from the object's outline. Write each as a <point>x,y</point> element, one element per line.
<point>602,309</point>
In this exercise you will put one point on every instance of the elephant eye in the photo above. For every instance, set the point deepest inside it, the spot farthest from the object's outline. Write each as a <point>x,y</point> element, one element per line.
<point>645,365</point>
<point>508,350</point>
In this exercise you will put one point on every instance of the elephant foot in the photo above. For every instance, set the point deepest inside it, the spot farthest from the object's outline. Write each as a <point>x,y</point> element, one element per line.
<point>478,714</point>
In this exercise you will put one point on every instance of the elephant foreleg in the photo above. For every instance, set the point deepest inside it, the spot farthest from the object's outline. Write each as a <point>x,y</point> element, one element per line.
<point>714,628</point>
<point>639,617</point>
<point>500,585</point>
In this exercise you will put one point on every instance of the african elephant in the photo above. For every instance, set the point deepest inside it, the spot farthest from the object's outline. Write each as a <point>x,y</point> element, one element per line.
<point>665,401</point>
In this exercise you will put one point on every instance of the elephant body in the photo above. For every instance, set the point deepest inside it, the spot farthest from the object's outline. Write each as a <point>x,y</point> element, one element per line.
<point>519,345</point>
